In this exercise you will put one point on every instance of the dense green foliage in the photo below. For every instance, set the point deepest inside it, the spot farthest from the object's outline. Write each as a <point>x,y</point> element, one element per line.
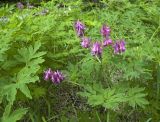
<point>123,87</point>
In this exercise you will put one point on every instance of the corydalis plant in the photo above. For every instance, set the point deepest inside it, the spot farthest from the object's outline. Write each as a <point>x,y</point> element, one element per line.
<point>20,5</point>
<point>107,42</point>
<point>119,47</point>
<point>47,74</point>
<point>96,48</point>
<point>29,6</point>
<point>85,42</point>
<point>56,76</point>
<point>79,27</point>
<point>105,31</point>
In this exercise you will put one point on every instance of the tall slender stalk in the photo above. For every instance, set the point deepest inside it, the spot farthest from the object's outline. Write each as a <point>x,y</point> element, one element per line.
<point>108,114</point>
<point>158,82</point>
<point>98,117</point>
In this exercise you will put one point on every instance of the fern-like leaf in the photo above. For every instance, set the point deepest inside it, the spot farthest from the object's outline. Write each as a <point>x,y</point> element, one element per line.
<point>136,96</point>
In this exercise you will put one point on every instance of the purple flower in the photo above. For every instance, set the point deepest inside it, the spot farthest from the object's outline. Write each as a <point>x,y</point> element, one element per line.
<point>116,48</point>
<point>105,31</point>
<point>47,74</point>
<point>107,42</point>
<point>44,12</point>
<point>96,49</point>
<point>57,77</point>
<point>80,27</point>
<point>119,47</point>
<point>29,6</point>
<point>122,47</point>
<point>20,5</point>
<point>85,42</point>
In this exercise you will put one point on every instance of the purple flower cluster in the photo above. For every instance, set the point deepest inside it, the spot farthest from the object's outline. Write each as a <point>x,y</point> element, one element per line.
<point>29,6</point>
<point>85,42</point>
<point>20,5</point>
<point>97,47</point>
<point>105,31</point>
<point>56,76</point>
<point>119,47</point>
<point>107,42</point>
<point>80,27</point>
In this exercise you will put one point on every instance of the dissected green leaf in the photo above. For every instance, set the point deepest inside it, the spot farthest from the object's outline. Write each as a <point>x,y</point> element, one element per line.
<point>136,96</point>
<point>14,116</point>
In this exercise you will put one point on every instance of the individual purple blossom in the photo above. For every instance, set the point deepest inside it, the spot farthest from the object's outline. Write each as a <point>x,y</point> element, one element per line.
<point>80,27</point>
<point>105,31</point>
<point>57,77</point>
<point>122,47</point>
<point>119,47</point>
<point>116,48</point>
<point>96,49</point>
<point>20,5</point>
<point>107,42</point>
<point>47,74</point>
<point>85,42</point>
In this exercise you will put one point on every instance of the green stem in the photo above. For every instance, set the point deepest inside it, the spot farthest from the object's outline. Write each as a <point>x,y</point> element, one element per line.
<point>157,91</point>
<point>98,59</point>
<point>108,116</point>
<point>158,82</point>
<point>74,83</point>
<point>98,117</point>
<point>154,33</point>
<point>49,107</point>
<point>43,119</point>
<point>53,117</point>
